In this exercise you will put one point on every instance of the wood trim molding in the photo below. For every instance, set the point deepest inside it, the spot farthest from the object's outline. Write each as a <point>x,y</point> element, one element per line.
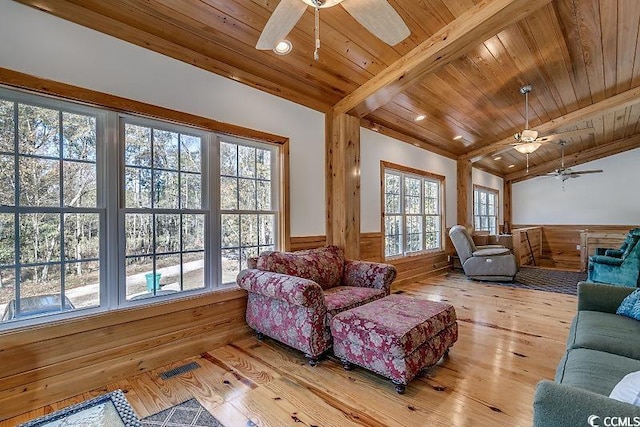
<point>599,152</point>
<point>460,36</point>
<point>608,105</point>
<point>285,197</point>
<point>401,168</point>
<point>43,86</point>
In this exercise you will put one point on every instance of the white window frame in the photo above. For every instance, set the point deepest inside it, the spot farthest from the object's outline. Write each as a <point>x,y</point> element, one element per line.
<point>481,211</point>
<point>208,193</point>
<point>19,97</point>
<point>403,173</point>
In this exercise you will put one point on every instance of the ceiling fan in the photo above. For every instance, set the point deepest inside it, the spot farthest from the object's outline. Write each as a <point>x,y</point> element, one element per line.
<point>529,140</point>
<point>563,174</point>
<point>377,16</point>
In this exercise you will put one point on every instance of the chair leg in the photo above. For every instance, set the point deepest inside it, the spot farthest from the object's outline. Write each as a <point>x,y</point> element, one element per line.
<point>313,360</point>
<point>400,388</point>
<point>348,366</point>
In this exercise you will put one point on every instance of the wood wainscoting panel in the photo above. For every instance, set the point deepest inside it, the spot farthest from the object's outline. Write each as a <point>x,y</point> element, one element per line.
<point>561,244</point>
<point>372,247</point>
<point>299,243</point>
<point>47,363</point>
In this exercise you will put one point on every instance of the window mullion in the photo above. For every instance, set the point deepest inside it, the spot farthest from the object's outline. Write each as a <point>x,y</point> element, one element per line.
<point>62,204</point>
<point>16,202</point>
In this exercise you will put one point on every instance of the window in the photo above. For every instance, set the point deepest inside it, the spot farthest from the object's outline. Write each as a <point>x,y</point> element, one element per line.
<point>164,209</point>
<point>412,211</point>
<point>248,203</point>
<point>101,210</point>
<point>485,209</point>
<point>51,209</point>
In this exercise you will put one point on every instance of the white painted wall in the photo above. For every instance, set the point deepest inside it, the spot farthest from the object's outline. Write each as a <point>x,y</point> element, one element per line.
<point>609,198</point>
<point>40,44</point>
<point>375,147</point>
<point>485,179</point>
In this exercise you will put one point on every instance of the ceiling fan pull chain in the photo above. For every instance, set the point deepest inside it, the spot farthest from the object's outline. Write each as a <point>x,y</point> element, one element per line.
<point>316,54</point>
<point>527,162</point>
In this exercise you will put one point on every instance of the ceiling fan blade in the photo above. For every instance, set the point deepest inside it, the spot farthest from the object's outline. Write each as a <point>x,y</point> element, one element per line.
<point>284,18</point>
<point>565,135</point>
<point>585,172</point>
<point>380,18</point>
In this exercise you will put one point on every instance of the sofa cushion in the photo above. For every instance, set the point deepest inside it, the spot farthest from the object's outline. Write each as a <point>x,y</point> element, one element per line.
<point>593,370</point>
<point>607,332</point>
<point>323,265</point>
<point>341,298</point>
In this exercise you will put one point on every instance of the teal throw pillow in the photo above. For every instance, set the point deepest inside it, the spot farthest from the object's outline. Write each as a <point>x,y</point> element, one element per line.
<point>630,306</point>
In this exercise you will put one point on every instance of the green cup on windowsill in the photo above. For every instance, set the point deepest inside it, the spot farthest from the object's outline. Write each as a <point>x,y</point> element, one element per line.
<point>153,281</point>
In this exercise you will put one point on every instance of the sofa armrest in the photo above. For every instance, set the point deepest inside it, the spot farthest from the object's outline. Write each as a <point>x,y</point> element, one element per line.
<point>292,289</point>
<point>601,297</point>
<point>562,405</point>
<point>369,275</point>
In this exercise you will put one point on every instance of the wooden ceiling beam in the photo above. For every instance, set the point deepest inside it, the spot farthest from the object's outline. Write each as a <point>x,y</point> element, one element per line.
<point>617,102</point>
<point>599,152</point>
<point>481,22</point>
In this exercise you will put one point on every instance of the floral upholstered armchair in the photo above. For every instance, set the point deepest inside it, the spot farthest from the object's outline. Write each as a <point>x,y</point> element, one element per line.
<point>293,295</point>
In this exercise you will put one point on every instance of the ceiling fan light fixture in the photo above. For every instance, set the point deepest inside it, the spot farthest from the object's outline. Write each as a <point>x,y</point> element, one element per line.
<point>420,118</point>
<point>527,147</point>
<point>322,3</point>
<point>528,135</point>
<point>283,47</point>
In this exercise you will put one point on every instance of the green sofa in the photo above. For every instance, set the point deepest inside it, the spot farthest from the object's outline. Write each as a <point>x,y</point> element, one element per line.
<point>602,348</point>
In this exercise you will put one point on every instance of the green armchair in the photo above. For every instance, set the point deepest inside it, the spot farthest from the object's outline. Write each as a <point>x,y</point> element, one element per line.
<point>617,268</point>
<point>617,253</point>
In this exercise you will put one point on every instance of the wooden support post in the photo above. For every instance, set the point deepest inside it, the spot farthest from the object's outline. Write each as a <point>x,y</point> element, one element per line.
<point>343,182</point>
<point>507,214</point>
<point>465,194</point>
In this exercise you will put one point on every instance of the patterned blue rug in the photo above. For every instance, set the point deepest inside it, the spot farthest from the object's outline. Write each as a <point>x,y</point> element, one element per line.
<point>542,279</point>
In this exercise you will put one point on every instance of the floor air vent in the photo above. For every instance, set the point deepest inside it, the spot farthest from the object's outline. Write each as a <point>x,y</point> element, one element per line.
<point>179,370</point>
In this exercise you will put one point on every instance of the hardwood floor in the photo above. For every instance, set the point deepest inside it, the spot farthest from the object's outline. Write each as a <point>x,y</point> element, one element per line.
<point>509,340</point>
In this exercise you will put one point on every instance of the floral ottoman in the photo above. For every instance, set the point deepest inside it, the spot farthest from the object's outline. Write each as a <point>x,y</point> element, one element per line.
<point>396,336</point>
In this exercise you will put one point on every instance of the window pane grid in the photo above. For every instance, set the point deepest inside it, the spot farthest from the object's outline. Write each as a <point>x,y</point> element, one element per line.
<point>485,210</point>
<point>247,192</point>
<point>55,159</point>
<point>162,189</point>
<point>41,261</point>
<point>412,213</point>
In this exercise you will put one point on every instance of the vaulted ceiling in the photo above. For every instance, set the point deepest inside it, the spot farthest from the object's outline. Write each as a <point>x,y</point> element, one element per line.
<point>579,56</point>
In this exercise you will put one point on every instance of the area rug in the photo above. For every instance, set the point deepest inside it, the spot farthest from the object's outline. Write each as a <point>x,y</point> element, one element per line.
<point>542,279</point>
<point>189,413</point>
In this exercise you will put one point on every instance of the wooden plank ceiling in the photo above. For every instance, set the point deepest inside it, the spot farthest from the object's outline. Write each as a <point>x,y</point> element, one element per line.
<point>577,55</point>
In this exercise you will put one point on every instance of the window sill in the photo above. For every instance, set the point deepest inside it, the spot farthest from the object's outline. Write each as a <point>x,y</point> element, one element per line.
<point>82,322</point>
<point>421,254</point>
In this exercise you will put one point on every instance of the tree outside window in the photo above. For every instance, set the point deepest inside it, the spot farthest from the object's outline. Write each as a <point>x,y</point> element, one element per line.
<point>100,209</point>
<point>412,211</point>
<point>485,209</point>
